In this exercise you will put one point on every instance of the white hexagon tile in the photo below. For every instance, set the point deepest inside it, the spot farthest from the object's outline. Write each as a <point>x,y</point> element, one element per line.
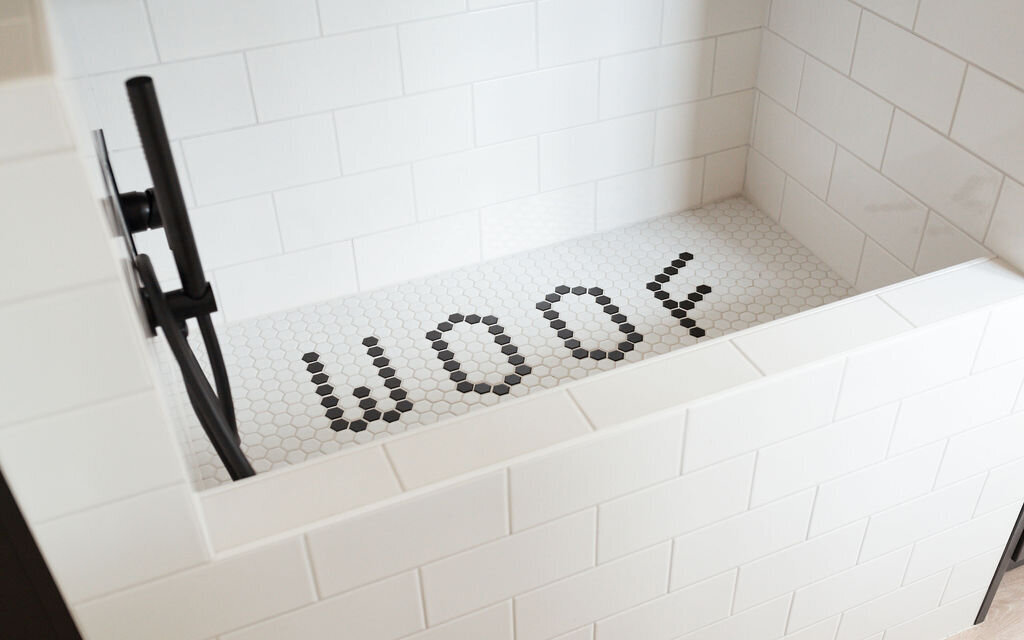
<point>319,378</point>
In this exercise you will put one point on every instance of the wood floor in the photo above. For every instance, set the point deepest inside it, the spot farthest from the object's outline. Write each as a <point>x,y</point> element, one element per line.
<point>1005,619</point>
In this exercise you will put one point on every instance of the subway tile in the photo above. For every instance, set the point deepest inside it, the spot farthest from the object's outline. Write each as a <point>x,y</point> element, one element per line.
<point>385,610</point>
<point>908,523</point>
<point>596,151</point>
<point>536,221</point>
<point>780,71</point>
<point>124,543</point>
<point>1006,231</point>
<point>586,633</point>
<point>575,30</point>
<point>512,565</point>
<point>287,280</point>
<point>983,448</point>
<point>773,410</point>
<point>132,173</point>
<point>651,387</point>
<point>972,575</point>
<point>740,539</point>
<point>689,19</point>
<point>886,213</point>
<point>764,184</point>
<point>766,622</point>
<point>863,493</point>
<point>219,596</point>
<point>819,228</point>
<point>878,268</point>
<point>656,78</point>
<point>493,623</point>
<point>427,247</point>
<point>525,105</point>
<point>902,12</point>
<point>736,61</point>
<point>104,36</point>
<point>944,245</point>
<point>338,16</point>
<point>194,28</point>
<point>962,542</point>
<point>925,83</point>
<point>411,128</point>
<point>797,566</point>
<point>599,592</point>
<point>921,360</point>
<point>843,110</point>
<point>825,29</point>
<point>794,146</point>
<point>408,534</point>
<point>1003,486</point>
<point>471,46</point>
<point>892,609</point>
<point>824,630</point>
<point>1002,343</point>
<point>822,454</point>
<point>584,475</point>
<point>848,589</point>
<point>267,157</point>
<point>98,353</point>
<point>942,622</point>
<point>338,209</point>
<point>699,128</point>
<point>978,286</point>
<point>672,508</point>
<point>243,513</point>
<point>988,121</point>
<point>723,174</point>
<point>476,178</point>
<point>650,193</point>
<point>326,73</point>
<point>678,612</point>
<point>941,174</point>
<point>486,438</point>
<point>31,119</point>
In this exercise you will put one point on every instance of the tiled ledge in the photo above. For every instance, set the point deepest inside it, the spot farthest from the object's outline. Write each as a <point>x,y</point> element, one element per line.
<point>763,361</point>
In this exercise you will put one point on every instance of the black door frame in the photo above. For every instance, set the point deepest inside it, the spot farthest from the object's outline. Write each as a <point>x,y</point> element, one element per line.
<point>1013,557</point>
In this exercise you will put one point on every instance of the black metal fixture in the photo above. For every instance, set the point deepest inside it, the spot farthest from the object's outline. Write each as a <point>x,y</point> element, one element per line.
<point>163,206</point>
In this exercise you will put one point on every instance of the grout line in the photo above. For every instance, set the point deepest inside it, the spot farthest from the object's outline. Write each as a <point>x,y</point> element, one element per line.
<point>401,59</point>
<point>423,595</point>
<point>252,100</point>
<point>959,97</point>
<point>856,43</point>
<point>995,208</point>
<point>308,555</point>
<point>885,148</point>
<point>319,17</point>
<point>152,31</point>
<point>917,14</point>
<point>394,468</point>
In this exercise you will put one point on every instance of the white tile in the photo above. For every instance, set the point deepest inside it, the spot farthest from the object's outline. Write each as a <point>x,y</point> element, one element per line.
<point>338,16</point>
<point>886,213</point>
<point>427,247</point>
<point>31,119</point>
<point>983,448</point>
<point>879,268</point>
<point>740,539</point>
<point>220,596</point>
<point>870,490</point>
<point>594,594</point>
<point>943,622</point>
<point>766,622</point>
<point>229,165</point>
<point>408,534</point>
<point>646,194</point>
<point>772,410</point>
<point>574,30</point>
<point>736,61</point>
<point>843,110</point>
<point>798,566</point>
<point>584,475</point>
<point>536,221</point>
<point>827,29</point>
<point>132,173</point>
<point>892,609</point>
<point>1003,486</point>
<point>340,209</point>
<point>941,174</point>
<point>988,121</point>
<point>690,19</point>
<point>944,245</point>
<point>724,173</point>
<point>122,544</point>
<point>781,68</point>
<point>596,151</point>
<point>672,508</point>
<point>901,12</point>
<point>962,542</point>
<point>652,387</point>
<point>923,359</point>
<point>38,215</point>
<point>1002,343</point>
<point>586,633</point>
<point>764,183</point>
<point>679,612</point>
<point>656,78</point>
<point>979,286</point>
<point>476,178</point>
<point>288,280</point>
<point>472,46</point>
<point>926,82</point>
<point>1006,232</point>
<point>972,575</point>
<point>410,128</point>
<point>103,36</point>
<point>824,333</point>
<point>193,28</point>
<point>824,630</point>
<point>484,439</point>
<point>908,523</point>
<point>493,623</point>
<point>699,128</point>
<point>383,611</point>
<point>847,589</point>
<point>512,565</point>
<point>242,513</point>
<point>326,73</point>
<point>524,105</point>
<point>819,228</point>
<point>794,146</point>
<point>108,451</point>
<point>822,454</point>
<point>98,354</point>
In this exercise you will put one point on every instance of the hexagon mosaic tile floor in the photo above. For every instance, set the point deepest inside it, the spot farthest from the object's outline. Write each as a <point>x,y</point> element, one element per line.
<point>313,380</point>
